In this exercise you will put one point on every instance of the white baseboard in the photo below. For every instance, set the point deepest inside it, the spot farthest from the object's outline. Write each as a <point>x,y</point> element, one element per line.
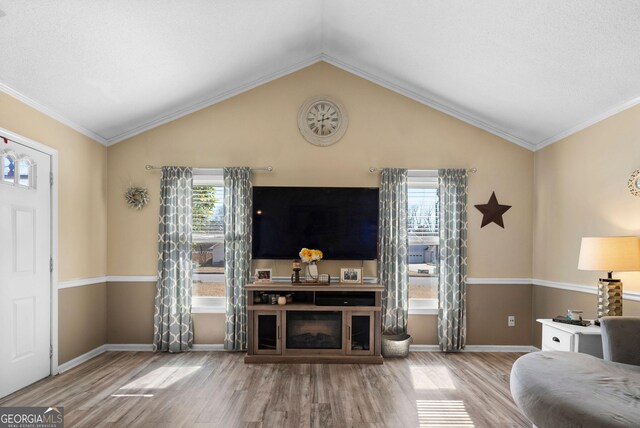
<point>81,359</point>
<point>148,347</point>
<point>131,347</point>
<point>145,347</point>
<point>478,348</point>
<point>126,347</point>
<point>424,348</point>
<point>208,347</point>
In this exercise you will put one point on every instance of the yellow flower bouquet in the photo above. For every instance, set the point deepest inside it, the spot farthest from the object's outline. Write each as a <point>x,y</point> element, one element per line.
<point>311,257</point>
<point>308,256</point>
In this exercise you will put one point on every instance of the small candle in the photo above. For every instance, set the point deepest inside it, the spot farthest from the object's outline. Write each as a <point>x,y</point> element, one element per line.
<point>296,264</point>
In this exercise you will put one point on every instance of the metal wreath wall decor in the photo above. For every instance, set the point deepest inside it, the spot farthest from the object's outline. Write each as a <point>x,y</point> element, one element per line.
<point>137,197</point>
<point>634,183</point>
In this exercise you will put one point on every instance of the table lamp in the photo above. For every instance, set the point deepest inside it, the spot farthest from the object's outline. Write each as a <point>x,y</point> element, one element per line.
<point>609,254</point>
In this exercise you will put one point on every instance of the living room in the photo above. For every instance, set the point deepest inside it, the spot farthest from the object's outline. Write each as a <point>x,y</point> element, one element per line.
<point>563,165</point>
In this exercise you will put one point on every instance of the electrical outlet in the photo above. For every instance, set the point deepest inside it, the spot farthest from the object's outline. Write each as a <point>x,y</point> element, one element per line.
<point>511,320</point>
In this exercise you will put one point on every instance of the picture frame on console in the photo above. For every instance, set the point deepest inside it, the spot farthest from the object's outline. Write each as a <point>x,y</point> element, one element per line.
<point>351,275</point>
<point>263,275</point>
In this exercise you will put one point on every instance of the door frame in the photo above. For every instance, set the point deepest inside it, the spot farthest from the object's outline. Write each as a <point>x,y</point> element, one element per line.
<point>53,282</point>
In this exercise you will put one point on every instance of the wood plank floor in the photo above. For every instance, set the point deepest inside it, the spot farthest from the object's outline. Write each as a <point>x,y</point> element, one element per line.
<point>216,389</point>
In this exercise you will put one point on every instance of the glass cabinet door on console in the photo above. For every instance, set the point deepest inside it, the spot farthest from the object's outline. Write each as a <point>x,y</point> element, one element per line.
<point>360,333</point>
<point>267,333</point>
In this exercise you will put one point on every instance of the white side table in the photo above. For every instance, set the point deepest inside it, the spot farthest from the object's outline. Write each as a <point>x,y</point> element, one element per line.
<point>557,336</point>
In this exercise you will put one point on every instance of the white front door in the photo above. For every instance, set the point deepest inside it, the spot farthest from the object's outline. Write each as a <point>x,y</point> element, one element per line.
<point>25,277</point>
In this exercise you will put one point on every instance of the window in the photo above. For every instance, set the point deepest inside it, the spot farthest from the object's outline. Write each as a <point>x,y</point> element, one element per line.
<point>26,173</point>
<point>17,170</point>
<point>8,168</point>
<point>423,230</point>
<point>208,237</point>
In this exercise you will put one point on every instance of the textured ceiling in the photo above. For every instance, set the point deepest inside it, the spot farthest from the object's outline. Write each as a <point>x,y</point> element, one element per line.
<point>531,72</point>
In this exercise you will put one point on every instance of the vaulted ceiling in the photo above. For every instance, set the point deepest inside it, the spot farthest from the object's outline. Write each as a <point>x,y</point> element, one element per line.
<point>530,72</point>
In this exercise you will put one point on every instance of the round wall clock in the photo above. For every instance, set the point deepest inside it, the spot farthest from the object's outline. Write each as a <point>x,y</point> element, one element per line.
<point>322,121</point>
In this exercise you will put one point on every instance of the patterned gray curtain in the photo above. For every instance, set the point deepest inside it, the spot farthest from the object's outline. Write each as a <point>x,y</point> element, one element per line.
<point>393,244</point>
<point>237,253</point>
<point>452,284</point>
<point>172,329</point>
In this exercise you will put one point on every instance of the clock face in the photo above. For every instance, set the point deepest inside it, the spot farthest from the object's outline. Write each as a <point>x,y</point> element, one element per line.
<point>322,118</point>
<point>322,121</point>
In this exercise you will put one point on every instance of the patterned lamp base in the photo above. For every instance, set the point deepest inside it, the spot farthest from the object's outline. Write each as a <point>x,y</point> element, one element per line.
<point>609,298</point>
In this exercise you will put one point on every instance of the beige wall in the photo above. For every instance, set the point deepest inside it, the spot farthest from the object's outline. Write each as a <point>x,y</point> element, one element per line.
<point>259,128</point>
<point>581,190</point>
<point>208,328</point>
<point>578,187</point>
<point>82,320</point>
<point>130,312</point>
<point>488,307</point>
<point>82,165</point>
<point>130,317</point>
<point>550,302</point>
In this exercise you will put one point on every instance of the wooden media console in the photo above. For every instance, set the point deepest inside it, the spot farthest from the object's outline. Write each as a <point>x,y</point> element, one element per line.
<point>322,324</point>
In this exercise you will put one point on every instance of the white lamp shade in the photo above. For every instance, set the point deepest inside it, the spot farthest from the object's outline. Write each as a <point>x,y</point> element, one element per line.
<point>610,253</point>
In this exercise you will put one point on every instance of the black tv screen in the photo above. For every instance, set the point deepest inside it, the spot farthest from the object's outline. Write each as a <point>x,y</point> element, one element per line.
<point>340,221</point>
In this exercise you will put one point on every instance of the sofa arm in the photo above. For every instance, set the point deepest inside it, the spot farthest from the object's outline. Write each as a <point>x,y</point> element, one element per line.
<point>621,339</point>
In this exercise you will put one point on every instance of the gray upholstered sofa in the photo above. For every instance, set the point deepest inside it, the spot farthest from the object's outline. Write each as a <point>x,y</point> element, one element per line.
<point>568,389</point>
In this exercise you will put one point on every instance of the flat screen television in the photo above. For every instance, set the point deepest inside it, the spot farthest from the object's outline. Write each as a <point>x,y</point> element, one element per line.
<point>340,221</point>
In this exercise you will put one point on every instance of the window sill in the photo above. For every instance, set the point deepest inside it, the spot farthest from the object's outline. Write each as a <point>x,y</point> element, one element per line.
<point>208,305</point>
<point>423,307</point>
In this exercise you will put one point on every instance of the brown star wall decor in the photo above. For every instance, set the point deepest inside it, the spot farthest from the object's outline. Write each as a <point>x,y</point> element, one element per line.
<point>492,211</point>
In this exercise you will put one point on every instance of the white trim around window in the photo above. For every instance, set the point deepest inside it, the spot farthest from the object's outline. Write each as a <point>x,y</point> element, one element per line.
<point>208,304</point>
<point>423,306</point>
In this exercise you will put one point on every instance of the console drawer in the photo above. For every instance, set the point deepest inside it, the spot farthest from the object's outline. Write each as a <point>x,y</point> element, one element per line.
<point>554,339</point>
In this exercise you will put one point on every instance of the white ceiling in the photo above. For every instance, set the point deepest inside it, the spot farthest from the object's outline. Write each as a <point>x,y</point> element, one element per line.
<point>531,72</point>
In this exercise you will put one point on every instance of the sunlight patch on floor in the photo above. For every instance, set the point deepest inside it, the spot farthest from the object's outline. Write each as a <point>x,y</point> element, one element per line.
<point>162,377</point>
<point>431,377</point>
<point>133,395</point>
<point>443,413</point>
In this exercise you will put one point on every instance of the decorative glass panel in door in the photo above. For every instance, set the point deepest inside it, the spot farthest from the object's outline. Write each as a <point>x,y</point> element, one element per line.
<point>360,333</point>
<point>267,332</point>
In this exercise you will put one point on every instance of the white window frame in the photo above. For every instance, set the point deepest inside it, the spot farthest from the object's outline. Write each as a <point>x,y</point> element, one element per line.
<point>420,306</point>
<point>208,304</point>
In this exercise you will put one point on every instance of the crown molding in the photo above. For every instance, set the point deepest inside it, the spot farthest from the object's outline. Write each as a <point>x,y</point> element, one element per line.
<point>587,123</point>
<point>336,62</point>
<point>224,95</point>
<point>48,111</point>
<point>438,105</point>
